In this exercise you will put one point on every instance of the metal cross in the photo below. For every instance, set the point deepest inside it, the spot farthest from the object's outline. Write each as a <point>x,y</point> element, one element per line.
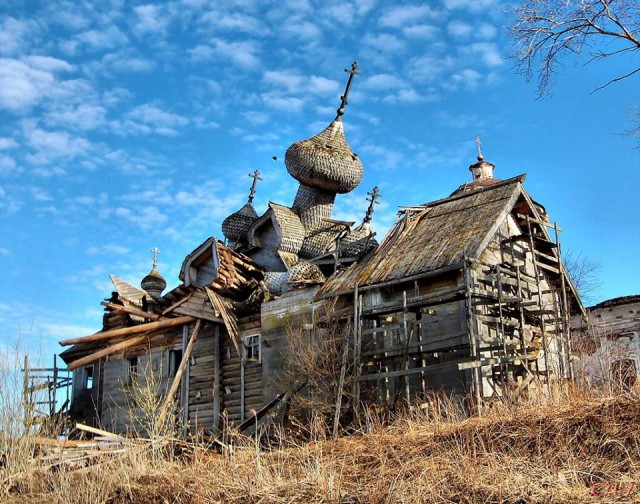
<point>155,251</point>
<point>256,176</point>
<point>375,195</point>
<point>480,157</point>
<point>343,103</point>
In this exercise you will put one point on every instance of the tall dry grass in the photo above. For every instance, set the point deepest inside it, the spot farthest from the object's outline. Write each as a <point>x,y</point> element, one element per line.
<point>553,451</point>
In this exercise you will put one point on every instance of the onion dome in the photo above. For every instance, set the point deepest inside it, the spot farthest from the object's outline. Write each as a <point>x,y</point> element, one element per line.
<point>325,161</point>
<point>481,170</point>
<point>304,273</point>
<point>236,226</point>
<point>154,283</point>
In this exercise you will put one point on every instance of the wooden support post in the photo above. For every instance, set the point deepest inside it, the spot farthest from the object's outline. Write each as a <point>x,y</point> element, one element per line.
<point>217,398</point>
<point>343,372</point>
<point>176,380</point>
<point>407,389</point>
<point>243,359</point>
<point>184,384</point>
<point>566,338</point>
<point>472,337</point>
<point>357,348</point>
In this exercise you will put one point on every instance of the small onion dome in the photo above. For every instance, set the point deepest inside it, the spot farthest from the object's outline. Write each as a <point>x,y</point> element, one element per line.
<point>482,170</point>
<point>305,273</point>
<point>325,161</point>
<point>236,226</point>
<point>154,283</point>
<point>359,242</point>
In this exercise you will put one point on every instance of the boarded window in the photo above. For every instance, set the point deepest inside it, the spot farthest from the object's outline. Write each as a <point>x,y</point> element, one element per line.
<point>88,377</point>
<point>252,347</point>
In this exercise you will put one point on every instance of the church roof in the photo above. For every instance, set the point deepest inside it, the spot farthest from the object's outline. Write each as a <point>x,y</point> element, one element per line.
<point>433,236</point>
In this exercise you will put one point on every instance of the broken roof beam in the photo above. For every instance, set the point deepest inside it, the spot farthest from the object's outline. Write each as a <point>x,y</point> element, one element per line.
<point>123,345</point>
<point>131,310</point>
<point>126,331</point>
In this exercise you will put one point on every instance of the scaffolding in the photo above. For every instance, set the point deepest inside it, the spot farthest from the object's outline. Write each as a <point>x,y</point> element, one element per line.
<point>514,319</point>
<point>46,392</point>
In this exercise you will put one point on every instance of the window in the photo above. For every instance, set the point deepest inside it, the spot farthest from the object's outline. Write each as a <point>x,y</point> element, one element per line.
<point>133,370</point>
<point>175,358</point>
<point>88,377</point>
<point>252,347</point>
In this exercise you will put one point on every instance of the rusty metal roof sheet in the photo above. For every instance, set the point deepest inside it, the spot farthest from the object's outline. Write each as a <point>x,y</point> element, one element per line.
<point>433,236</point>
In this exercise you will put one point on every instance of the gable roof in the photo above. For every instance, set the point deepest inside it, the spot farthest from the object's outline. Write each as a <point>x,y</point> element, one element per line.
<point>433,236</point>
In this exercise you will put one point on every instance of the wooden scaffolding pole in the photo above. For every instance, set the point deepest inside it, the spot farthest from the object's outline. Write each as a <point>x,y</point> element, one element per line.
<point>177,379</point>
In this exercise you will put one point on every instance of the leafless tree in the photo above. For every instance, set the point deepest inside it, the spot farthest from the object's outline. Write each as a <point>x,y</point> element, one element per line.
<point>546,31</point>
<point>584,274</point>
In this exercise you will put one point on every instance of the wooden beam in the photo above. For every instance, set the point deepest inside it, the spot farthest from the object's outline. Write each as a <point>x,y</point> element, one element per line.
<point>131,310</point>
<point>229,318</point>
<point>176,381</point>
<point>107,351</point>
<point>126,331</point>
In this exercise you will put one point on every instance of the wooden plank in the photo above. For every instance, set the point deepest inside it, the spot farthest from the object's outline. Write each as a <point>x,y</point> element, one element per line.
<point>131,310</point>
<point>177,303</point>
<point>405,372</point>
<point>126,331</point>
<point>229,318</point>
<point>178,377</point>
<point>432,299</point>
<point>202,314</point>
<point>107,351</point>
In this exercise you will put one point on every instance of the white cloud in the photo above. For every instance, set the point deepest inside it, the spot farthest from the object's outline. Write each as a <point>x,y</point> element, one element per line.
<point>382,82</point>
<point>488,52</point>
<point>106,38</point>
<point>242,54</point>
<point>470,5</point>
<point>236,21</point>
<point>384,43</point>
<point>16,35</point>
<point>83,117</point>
<point>5,251</point>
<point>146,217</point>
<point>7,165</point>
<point>405,95</point>
<point>51,145</point>
<point>7,143</point>
<point>109,249</point>
<point>486,31</point>
<point>150,19</point>
<point>149,118</point>
<point>21,86</point>
<point>421,31</point>
<point>48,64</point>
<point>39,194</point>
<point>305,31</point>
<point>459,29</point>
<point>284,103</point>
<point>406,15</point>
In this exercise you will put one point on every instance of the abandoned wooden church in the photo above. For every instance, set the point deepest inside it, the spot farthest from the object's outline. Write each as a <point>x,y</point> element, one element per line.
<point>467,295</point>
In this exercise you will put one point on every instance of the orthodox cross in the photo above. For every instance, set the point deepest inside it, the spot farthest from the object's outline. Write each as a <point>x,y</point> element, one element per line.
<point>480,157</point>
<point>256,176</point>
<point>375,195</point>
<point>155,251</point>
<point>343,103</point>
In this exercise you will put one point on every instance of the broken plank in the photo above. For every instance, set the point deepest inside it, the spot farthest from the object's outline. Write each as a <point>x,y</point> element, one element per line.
<point>125,331</point>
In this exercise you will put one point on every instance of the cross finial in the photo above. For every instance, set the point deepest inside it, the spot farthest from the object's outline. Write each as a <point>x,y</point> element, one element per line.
<point>255,176</point>
<point>373,200</point>
<point>343,99</point>
<point>155,251</point>
<point>479,143</point>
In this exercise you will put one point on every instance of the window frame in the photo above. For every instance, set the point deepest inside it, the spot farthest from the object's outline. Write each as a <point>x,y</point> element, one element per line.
<point>252,344</point>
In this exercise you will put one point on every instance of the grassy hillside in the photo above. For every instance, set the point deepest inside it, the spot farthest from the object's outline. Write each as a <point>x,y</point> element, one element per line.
<point>576,449</point>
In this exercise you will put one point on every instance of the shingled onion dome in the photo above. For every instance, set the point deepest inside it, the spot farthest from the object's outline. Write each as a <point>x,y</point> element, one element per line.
<point>154,283</point>
<point>325,161</point>
<point>236,226</point>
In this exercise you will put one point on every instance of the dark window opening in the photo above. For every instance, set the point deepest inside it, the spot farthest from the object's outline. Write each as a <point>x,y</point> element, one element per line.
<point>175,358</point>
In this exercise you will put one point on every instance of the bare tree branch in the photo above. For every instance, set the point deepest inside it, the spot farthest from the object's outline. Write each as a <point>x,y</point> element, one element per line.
<point>547,31</point>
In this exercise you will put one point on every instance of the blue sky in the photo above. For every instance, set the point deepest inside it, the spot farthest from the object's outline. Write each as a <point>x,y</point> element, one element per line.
<point>129,125</point>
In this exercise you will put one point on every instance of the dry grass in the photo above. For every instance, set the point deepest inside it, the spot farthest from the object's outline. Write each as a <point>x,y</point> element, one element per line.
<point>553,452</point>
